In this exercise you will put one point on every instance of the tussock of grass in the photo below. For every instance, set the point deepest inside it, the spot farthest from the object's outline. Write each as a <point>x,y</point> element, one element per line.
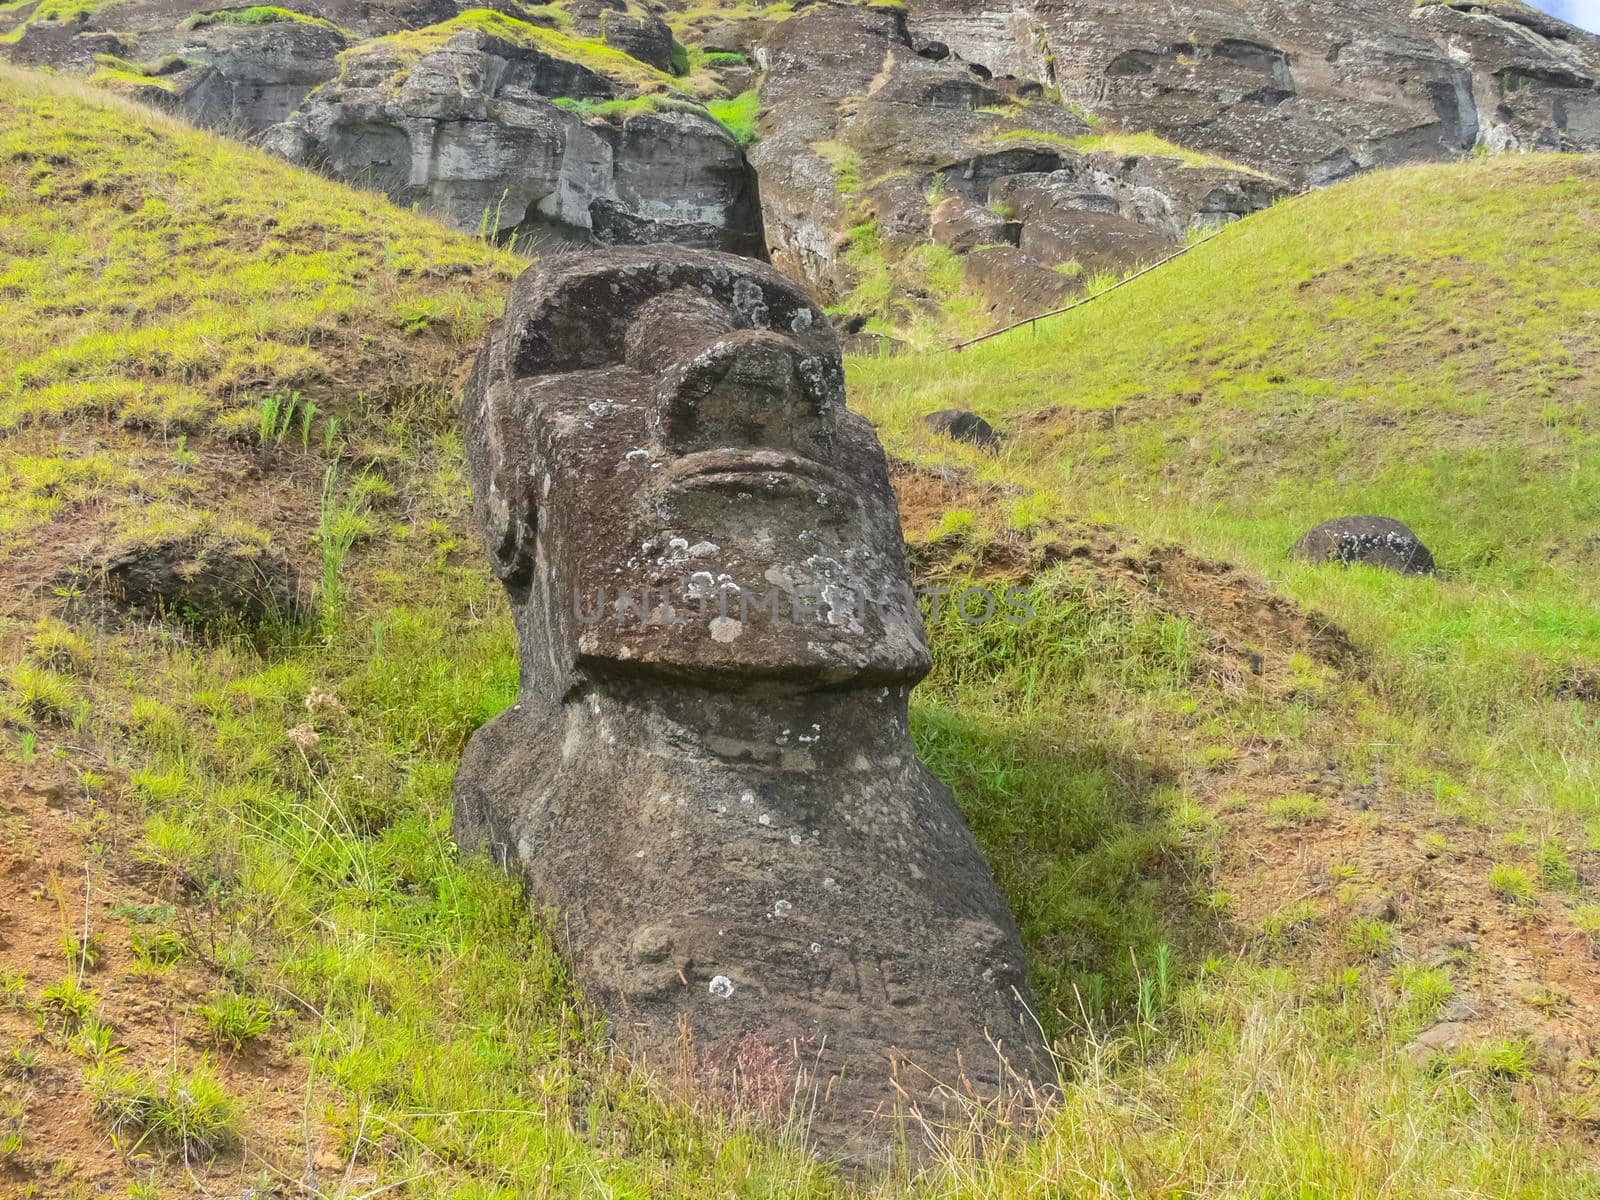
<point>120,73</point>
<point>846,164</point>
<point>1149,145</point>
<point>235,1020</point>
<point>261,14</point>
<point>185,1113</point>
<point>618,110</point>
<point>593,53</point>
<point>40,692</point>
<point>739,114</point>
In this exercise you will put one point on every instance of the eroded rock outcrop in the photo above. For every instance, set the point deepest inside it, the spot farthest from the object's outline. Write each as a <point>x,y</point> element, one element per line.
<point>709,770</point>
<point>238,69</point>
<point>871,110</point>
<point>1309,91</point>
<point>1534,78</point>
<point>455,111</point>
<point>207,581</point>
<point>873,134</point>
<point>469,129</point>
<point>249,77</point>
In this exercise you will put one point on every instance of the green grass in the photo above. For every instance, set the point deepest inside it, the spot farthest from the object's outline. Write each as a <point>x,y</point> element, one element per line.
<point>1149,145</point>
<point>235,1020</point>
<point>846,164</point>
<point>187,1114</point>
<point>39,692</point>
<point>157,321</point>
<point>1143,145</point>
<point>290,791</point>
<point>739,114</point>
<point>1513,884</point>
<point>64,12</point>
<point>882,286</point>
<point>261,14</point>
<point>1296,809</point>
<point>617,111</point>
<point>117,75</point>
<point>1406,344</point>
<point>593,53</point>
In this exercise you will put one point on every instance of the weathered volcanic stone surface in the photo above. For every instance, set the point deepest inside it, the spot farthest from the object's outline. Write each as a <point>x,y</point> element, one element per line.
<point>963,226</point>
<point>470,133</point>
<point>237,78</point>
<point>248,77</point>
<point>1015,286</point>
<point>1308,90</point>
<point>723,799</point>
<point>948,150</point>
<point>1376,541</point>
<point>1534,78</point>
<point>947,108</point>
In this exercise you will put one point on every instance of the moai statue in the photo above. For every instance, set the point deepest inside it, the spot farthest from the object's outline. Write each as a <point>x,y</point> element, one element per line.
<point>709,772</point>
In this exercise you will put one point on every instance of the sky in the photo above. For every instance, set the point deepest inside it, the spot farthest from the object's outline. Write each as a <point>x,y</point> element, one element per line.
<point>1583,13</point>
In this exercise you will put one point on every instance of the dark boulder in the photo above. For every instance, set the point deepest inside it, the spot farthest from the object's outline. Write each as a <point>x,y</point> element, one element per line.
<point>963,426</point>
<point>646,38</point>
<point>964,225</point>
<point>206,582</point>
<point>1377,541</point>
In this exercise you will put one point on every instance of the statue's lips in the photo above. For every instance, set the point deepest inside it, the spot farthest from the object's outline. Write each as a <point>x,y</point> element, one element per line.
<point>768,469</point>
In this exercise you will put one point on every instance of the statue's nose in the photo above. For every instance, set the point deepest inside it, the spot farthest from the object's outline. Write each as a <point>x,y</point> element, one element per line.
<point>752,388</point>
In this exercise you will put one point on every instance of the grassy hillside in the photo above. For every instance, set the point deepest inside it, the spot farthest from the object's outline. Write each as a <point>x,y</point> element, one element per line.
<point>1424,344</point>
<point>241,951</point>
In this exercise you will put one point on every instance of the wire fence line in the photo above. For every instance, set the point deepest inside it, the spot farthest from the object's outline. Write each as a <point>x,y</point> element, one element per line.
<point>957,347</point>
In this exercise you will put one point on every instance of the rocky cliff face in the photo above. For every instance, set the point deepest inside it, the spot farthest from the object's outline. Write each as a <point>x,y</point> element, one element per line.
<point>994,130</point>
<point>1310,91</point>
<point>237,68</point>
<point>874,138</point>
<point>578,123</point>
<point>493,129</point>
<point>945,160</point>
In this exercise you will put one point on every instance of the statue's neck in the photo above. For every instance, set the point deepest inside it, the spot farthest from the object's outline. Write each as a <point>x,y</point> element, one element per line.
<point>771,728</point>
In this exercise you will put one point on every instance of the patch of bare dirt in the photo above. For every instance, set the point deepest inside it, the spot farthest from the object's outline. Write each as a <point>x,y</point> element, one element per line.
<point>68,870</point>
<point>65,873</point>
<point>1244,619</point>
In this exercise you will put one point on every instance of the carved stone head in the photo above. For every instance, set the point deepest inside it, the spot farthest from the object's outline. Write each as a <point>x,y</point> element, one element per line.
<point>710,772</point>
<point>670,483</point>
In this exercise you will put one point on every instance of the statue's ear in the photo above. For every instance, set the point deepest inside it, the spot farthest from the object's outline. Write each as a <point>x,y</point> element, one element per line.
<point>502,497</point>
<point>509,525</point>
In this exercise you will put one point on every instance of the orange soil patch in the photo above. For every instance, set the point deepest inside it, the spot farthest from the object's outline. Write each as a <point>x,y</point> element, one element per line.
<point>64,872</point>
<point>68,864</point>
